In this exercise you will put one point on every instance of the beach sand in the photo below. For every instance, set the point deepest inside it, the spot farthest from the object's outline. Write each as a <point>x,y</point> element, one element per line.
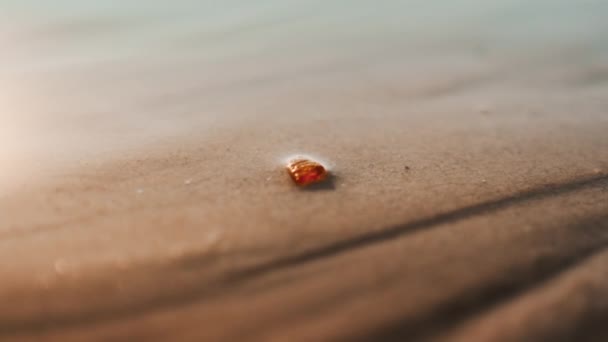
<point>144,196</point>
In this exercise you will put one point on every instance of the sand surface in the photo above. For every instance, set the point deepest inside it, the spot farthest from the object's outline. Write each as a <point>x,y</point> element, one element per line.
<point>143,195</point>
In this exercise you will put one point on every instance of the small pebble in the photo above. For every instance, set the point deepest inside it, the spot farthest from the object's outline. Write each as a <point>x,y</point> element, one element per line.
<point>306,171</point>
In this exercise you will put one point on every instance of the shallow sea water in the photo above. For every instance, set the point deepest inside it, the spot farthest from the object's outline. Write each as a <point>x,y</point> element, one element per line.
<point>82,78</point>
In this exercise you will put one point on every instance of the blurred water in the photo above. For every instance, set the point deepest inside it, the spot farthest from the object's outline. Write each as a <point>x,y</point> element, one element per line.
<point>83,76</point>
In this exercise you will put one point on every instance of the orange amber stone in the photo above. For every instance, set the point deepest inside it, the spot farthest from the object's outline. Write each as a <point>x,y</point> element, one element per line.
<point>305,172</point>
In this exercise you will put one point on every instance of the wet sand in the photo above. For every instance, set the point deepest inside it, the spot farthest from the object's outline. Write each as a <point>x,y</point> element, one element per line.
<point>144,195</point>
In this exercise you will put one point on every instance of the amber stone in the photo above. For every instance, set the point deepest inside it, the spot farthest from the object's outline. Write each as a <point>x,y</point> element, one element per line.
<point>305,171</point>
